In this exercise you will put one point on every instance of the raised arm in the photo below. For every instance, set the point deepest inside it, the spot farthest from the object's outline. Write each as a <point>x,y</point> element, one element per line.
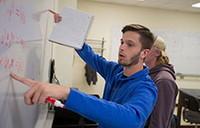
<point>100,64</point>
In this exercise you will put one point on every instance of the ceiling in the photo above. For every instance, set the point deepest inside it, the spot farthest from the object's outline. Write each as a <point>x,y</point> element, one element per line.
<point>180,5</point>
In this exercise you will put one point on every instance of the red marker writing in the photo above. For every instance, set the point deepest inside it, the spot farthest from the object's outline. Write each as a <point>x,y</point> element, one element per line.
<point>55,102</point>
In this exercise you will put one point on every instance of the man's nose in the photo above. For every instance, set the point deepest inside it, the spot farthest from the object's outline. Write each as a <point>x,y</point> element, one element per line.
<point>122,46</point>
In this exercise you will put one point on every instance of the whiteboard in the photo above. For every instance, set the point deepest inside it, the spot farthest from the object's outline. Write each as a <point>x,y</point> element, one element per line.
<point>18,22</point>
<point>21,40</point>
<point>183,50</point>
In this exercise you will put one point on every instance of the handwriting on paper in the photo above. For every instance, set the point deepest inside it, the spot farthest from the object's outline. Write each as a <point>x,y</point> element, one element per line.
<point>9,38</point>
<point>12,64</point>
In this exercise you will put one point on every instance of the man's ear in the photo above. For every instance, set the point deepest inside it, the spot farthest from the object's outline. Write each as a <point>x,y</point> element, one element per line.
<point>144,53</point>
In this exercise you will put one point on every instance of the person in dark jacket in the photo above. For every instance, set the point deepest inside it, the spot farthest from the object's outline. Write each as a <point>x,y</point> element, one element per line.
<point>163,75</point>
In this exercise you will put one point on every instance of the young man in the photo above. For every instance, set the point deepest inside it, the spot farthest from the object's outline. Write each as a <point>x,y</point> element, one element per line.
<point>164,77</point>
<point>129,94</point>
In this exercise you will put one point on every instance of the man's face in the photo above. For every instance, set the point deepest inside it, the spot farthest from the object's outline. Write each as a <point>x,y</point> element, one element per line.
<point>130,49</point>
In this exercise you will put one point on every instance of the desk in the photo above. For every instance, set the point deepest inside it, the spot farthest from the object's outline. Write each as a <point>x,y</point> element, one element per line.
<point>189,98</point>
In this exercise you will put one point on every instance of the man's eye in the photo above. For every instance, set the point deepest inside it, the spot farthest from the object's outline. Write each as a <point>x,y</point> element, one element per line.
<point>130,45</point>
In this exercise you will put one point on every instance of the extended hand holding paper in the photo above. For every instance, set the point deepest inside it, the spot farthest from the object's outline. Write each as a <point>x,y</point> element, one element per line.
<point>57,17</point>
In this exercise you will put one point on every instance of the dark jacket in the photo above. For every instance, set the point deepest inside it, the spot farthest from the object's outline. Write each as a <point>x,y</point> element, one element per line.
<point>91,75</point>
<point>164,77</point>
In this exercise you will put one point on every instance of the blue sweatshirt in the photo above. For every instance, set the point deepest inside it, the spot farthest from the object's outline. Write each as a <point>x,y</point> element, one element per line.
<point>127,101</point>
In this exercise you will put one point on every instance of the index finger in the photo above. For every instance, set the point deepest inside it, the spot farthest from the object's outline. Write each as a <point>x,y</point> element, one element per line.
<point>23,80</point>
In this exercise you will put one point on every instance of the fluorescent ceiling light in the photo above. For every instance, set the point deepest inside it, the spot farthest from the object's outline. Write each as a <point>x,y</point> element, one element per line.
<point>197,5</point>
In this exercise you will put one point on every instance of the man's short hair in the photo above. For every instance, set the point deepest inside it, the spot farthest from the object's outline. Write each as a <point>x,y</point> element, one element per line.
<point>146,36</point>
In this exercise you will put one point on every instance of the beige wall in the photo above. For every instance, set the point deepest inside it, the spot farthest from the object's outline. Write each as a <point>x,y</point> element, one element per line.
<point>107,16</point>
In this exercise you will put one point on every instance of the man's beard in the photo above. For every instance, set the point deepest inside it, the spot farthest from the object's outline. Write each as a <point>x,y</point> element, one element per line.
<point>133,61</point>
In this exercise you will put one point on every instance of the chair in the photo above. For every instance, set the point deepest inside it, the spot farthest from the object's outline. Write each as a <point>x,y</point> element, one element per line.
<point>191,106</point>
<point>191,112</point>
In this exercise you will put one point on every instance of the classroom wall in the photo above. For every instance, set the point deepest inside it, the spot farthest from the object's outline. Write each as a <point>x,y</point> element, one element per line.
<point>107,16</point>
